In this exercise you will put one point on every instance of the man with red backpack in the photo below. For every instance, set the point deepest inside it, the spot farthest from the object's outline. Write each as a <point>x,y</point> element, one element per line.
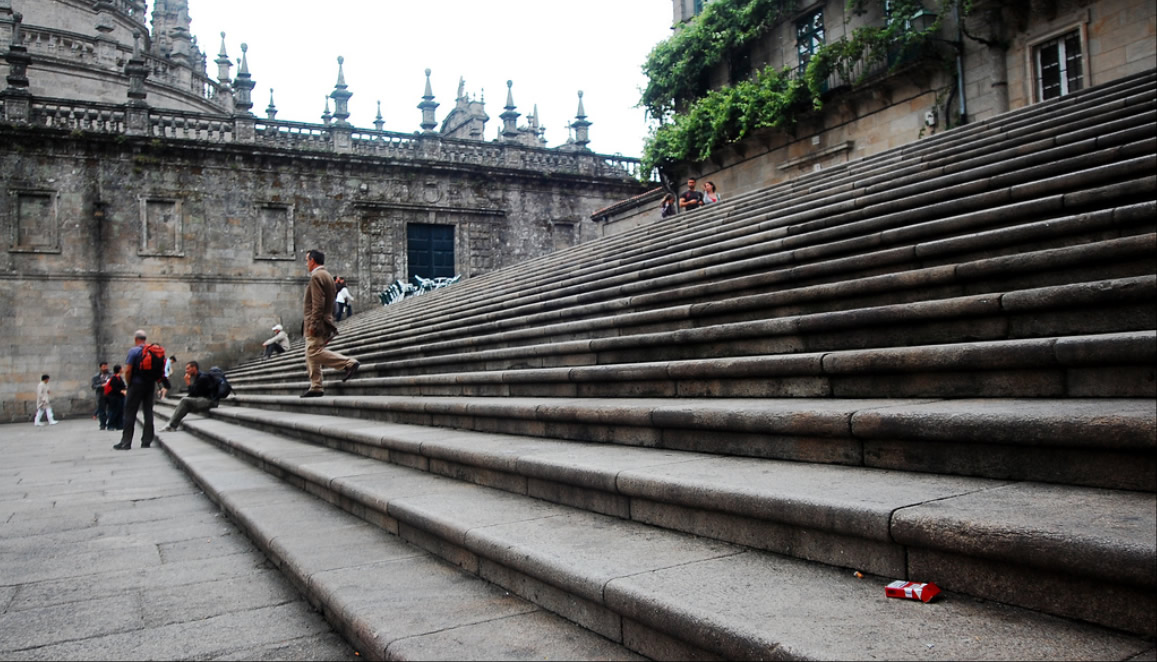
<point>144,367</point>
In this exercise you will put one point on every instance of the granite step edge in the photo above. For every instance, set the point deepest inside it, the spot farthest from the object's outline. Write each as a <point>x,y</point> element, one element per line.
<point>485,542</point>
<point>275,516</point>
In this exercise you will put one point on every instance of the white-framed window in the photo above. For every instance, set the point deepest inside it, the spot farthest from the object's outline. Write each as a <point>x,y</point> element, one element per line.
<point>1058,65</point>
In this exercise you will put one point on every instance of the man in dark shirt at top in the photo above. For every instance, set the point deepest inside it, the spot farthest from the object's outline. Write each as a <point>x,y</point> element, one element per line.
<point>691,199</point>
<point>201,398</point>
<point>141,390</point>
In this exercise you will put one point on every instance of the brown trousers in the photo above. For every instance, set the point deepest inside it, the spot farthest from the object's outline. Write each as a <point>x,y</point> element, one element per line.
<point>317,357</point>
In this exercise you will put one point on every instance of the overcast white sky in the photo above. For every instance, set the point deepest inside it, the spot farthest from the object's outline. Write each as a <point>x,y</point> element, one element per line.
<point>549,49</point>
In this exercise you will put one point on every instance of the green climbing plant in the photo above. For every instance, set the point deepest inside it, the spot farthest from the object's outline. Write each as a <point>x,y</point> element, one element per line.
<point>678,68</point>
<point>695,122</point>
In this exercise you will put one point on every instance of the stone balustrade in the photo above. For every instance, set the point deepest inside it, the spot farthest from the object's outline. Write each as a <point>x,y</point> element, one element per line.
<point>85,50</point>
<point>190,126</point>
<point>85,116</point>
<point>75,115</point>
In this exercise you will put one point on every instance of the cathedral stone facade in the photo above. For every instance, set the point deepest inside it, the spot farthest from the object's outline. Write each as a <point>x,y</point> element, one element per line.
<point>136,192</point>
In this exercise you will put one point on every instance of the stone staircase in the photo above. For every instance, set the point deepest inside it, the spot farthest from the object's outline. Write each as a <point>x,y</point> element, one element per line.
<point>720,435</point>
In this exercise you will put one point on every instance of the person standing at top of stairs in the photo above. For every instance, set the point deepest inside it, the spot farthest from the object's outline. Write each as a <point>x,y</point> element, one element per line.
<point>320,326</point>
<point>691,199</point>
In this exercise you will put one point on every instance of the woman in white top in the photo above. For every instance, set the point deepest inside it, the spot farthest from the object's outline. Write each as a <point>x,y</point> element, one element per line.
<point>44,402</point>
<point>342,303</point>
<point>710,195</point>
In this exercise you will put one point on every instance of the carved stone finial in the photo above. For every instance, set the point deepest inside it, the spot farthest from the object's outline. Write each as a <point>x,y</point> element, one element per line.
<point>341,95</point>
<point>428,105</point>
<point>581,125</point>
<point>244,84</point>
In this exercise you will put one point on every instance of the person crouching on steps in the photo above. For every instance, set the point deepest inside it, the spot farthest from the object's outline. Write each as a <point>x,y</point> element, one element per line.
<point>202,390</point>
<point>44,402</point>
<point>320,327</point>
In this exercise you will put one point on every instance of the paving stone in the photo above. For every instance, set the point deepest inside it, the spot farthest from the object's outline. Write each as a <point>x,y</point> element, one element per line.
<point>43,626</point>
<point>194,602</point>
<point>327,646</point>
<point>93,577</point>
<point>205,547</point>
<point>106,584</point>
<point>268,627</point>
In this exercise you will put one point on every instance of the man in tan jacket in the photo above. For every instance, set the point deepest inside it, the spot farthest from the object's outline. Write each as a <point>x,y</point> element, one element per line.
<point>320,327</point>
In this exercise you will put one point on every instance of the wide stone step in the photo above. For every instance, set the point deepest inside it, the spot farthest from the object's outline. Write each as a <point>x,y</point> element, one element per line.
<point>730,299</point>
<point>868,248</point>
<point>773,337</point>
<point>895,252</point>
<point>390,599</point>
<point>1098,442</point>
<point>567,560</point>
<point>713,233</point>
<point>1107,365</point>
<point>1096,168</point>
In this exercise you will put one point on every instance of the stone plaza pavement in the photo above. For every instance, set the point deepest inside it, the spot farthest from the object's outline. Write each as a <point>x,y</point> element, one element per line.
<point>108,555</point>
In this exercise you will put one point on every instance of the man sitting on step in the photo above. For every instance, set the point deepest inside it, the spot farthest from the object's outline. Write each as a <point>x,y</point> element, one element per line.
<point>202,388</point>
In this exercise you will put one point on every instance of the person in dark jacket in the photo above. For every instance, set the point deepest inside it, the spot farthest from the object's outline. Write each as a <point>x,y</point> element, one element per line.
<point>116,400</point>
<point>201,398</point>
<point>98,381</point>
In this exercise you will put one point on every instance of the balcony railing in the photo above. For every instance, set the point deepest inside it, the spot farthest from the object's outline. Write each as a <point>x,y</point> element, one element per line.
<point>71,115</point>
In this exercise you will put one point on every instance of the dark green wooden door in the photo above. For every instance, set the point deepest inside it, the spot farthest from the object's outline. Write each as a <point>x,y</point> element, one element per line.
<point>430,250</point>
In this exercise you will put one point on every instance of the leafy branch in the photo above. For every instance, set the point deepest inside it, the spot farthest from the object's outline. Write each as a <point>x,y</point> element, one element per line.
<point>696,122</point>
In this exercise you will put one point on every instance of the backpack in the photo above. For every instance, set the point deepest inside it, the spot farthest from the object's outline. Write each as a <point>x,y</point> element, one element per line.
<point>108,386</point>
<point>152,362</point>
<point>221,387</point>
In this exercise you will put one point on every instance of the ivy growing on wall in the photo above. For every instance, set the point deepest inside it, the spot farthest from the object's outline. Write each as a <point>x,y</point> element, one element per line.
<point>678,68</point>
<point>696,122</point>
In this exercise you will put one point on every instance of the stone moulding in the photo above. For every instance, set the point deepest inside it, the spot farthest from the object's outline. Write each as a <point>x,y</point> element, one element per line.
<point>34,224</point>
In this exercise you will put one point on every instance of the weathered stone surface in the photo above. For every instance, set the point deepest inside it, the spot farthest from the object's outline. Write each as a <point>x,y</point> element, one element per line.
<point>847,500</point>
<point>144,578</point>
<point>534,636</point>
<point>384,602</point>
<point>1102,534</point>
<point>1104,423</point>
<point>787,608</point>
<point>219,250</point>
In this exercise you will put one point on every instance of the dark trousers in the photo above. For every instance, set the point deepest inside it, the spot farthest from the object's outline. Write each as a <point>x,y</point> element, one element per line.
<point>102,408</point>
<point>272,348</point>
<point>116,412</point>
<point>140,396</point>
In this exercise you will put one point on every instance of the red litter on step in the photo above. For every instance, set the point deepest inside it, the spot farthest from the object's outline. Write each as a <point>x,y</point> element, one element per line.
<point>911,590</point>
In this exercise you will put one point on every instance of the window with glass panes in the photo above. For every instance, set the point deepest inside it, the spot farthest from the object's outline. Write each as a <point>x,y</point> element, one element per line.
<point>809,36</point>
<point>1059,66</point>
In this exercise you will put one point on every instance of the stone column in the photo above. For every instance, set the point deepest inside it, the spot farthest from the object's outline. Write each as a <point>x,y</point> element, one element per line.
<point>17,99</point>
<point>137,110</point>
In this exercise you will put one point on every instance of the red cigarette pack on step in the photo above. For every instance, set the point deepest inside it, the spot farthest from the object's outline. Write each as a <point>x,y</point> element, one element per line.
<point>911,590</point>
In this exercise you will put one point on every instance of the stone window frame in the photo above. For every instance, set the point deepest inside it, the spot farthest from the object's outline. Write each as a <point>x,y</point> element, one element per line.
<point>179,239</point>
<point>259,252</point>
<point>14,221</point>
<point>1079,25</point>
